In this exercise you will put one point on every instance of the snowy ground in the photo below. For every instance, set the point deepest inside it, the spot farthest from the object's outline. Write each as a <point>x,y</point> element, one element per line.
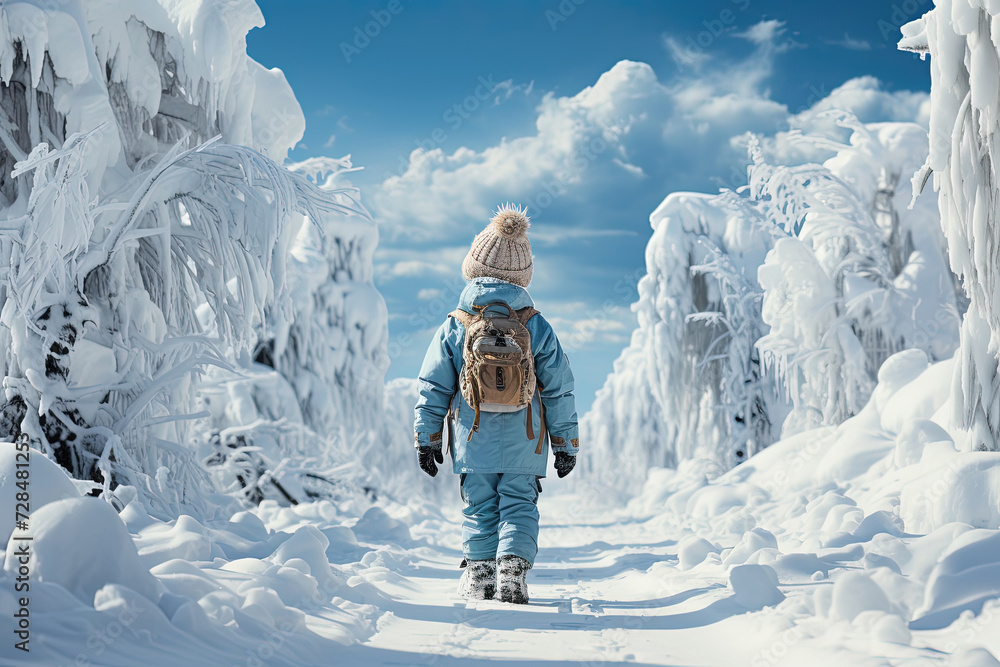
<point>608,587</point>
<point>874,543</point>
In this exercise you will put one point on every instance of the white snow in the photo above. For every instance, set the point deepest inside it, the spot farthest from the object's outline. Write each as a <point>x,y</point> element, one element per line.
<point>102,550</point>
<point>773,475</point>
<point>48,483</point>
<point>820,550</point>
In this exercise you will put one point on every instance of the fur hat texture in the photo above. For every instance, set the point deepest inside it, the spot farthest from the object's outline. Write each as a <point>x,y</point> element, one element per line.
<point>502,250</point>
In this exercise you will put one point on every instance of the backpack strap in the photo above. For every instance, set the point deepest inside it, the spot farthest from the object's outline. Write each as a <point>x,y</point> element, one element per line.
<point>467,319</point>
<point>526,314</point>
<point>463,317</point>
<point>523,315</point>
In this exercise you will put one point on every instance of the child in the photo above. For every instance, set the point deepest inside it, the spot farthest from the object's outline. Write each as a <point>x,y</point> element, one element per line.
<point>504,405</point>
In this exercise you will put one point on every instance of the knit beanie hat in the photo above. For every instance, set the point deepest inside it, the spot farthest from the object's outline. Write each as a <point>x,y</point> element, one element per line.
<point>502,250</point>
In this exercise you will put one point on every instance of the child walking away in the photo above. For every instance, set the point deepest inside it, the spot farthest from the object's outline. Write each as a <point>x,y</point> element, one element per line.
<point>496,379</point>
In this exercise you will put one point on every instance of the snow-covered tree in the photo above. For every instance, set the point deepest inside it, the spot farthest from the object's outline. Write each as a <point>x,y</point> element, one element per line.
<point>858,279</point>
<point>150,232</point>
<point>961,38</point>
<point>847,276</point>
<point>689,384</point>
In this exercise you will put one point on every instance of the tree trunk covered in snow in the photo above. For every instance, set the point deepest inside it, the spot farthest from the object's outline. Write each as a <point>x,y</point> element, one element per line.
<point>962,39</point>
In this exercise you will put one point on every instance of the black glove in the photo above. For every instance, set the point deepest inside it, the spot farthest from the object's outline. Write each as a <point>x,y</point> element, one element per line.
<point>564,463</point>
<point>427,456</point>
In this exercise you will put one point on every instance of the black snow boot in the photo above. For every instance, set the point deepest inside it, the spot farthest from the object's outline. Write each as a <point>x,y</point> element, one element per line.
<point>479,581</point>
<point>511,573</point>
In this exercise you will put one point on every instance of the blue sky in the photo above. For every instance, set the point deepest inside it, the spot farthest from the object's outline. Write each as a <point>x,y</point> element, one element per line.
<point>588,112</point>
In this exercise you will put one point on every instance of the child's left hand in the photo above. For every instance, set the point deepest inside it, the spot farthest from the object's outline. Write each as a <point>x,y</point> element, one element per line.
<point>426,456</point>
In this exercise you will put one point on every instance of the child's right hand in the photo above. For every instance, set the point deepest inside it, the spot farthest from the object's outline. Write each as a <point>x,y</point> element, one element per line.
<point>564,463</point>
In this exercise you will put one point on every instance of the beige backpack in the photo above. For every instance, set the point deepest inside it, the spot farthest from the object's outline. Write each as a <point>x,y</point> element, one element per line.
<point>498,368</point>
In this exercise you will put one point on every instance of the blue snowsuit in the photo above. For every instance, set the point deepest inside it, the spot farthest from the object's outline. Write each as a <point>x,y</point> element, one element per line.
<point>499,467</point>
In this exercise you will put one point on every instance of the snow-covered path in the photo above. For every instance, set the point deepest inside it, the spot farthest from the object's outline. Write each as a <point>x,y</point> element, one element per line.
<point>596,597</point>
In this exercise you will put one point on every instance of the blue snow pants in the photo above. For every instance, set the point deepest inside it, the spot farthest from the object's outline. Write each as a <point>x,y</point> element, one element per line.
<point>501,515</point>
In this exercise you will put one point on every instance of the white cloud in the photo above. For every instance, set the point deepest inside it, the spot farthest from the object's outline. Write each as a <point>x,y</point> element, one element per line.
<point>577,333</point>
<point>767,34</point>
<point>863,96</point>
<point>329,142</point>
<point>554,235</point>
<point>505,89</point>
<point>412,268</point>
<point>392,263</point>
<point>683,55</point>
<point>430,293</point>
<point>866,99</point>
<point>626,128</point>
<point>851,44</point>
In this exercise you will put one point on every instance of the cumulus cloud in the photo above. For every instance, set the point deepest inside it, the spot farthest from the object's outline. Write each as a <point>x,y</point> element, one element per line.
<point>624,131</point>
<point>404,262</point>
<point>866,98</point>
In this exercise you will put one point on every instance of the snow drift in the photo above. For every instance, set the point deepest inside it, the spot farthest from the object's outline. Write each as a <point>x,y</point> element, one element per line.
<point>875,530</point>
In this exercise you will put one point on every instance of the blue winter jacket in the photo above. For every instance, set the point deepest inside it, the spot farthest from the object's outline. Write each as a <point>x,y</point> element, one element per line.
<point>502,444</point>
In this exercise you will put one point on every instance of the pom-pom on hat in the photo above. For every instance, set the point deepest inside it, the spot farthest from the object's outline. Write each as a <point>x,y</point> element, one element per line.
<point>502,250</point>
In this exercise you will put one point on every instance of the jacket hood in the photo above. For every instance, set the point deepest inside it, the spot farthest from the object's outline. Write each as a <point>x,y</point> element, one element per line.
<point>481,291</point>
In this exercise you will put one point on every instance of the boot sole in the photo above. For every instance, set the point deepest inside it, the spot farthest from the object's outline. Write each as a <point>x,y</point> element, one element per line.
<point>487,595</point>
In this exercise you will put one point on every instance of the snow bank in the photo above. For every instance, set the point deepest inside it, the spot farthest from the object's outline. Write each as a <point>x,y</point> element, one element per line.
<point>182,316</point>
<point>879,528</point>
<point>81,545</point>
<point>43,480</point>
<point>188,591</point>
